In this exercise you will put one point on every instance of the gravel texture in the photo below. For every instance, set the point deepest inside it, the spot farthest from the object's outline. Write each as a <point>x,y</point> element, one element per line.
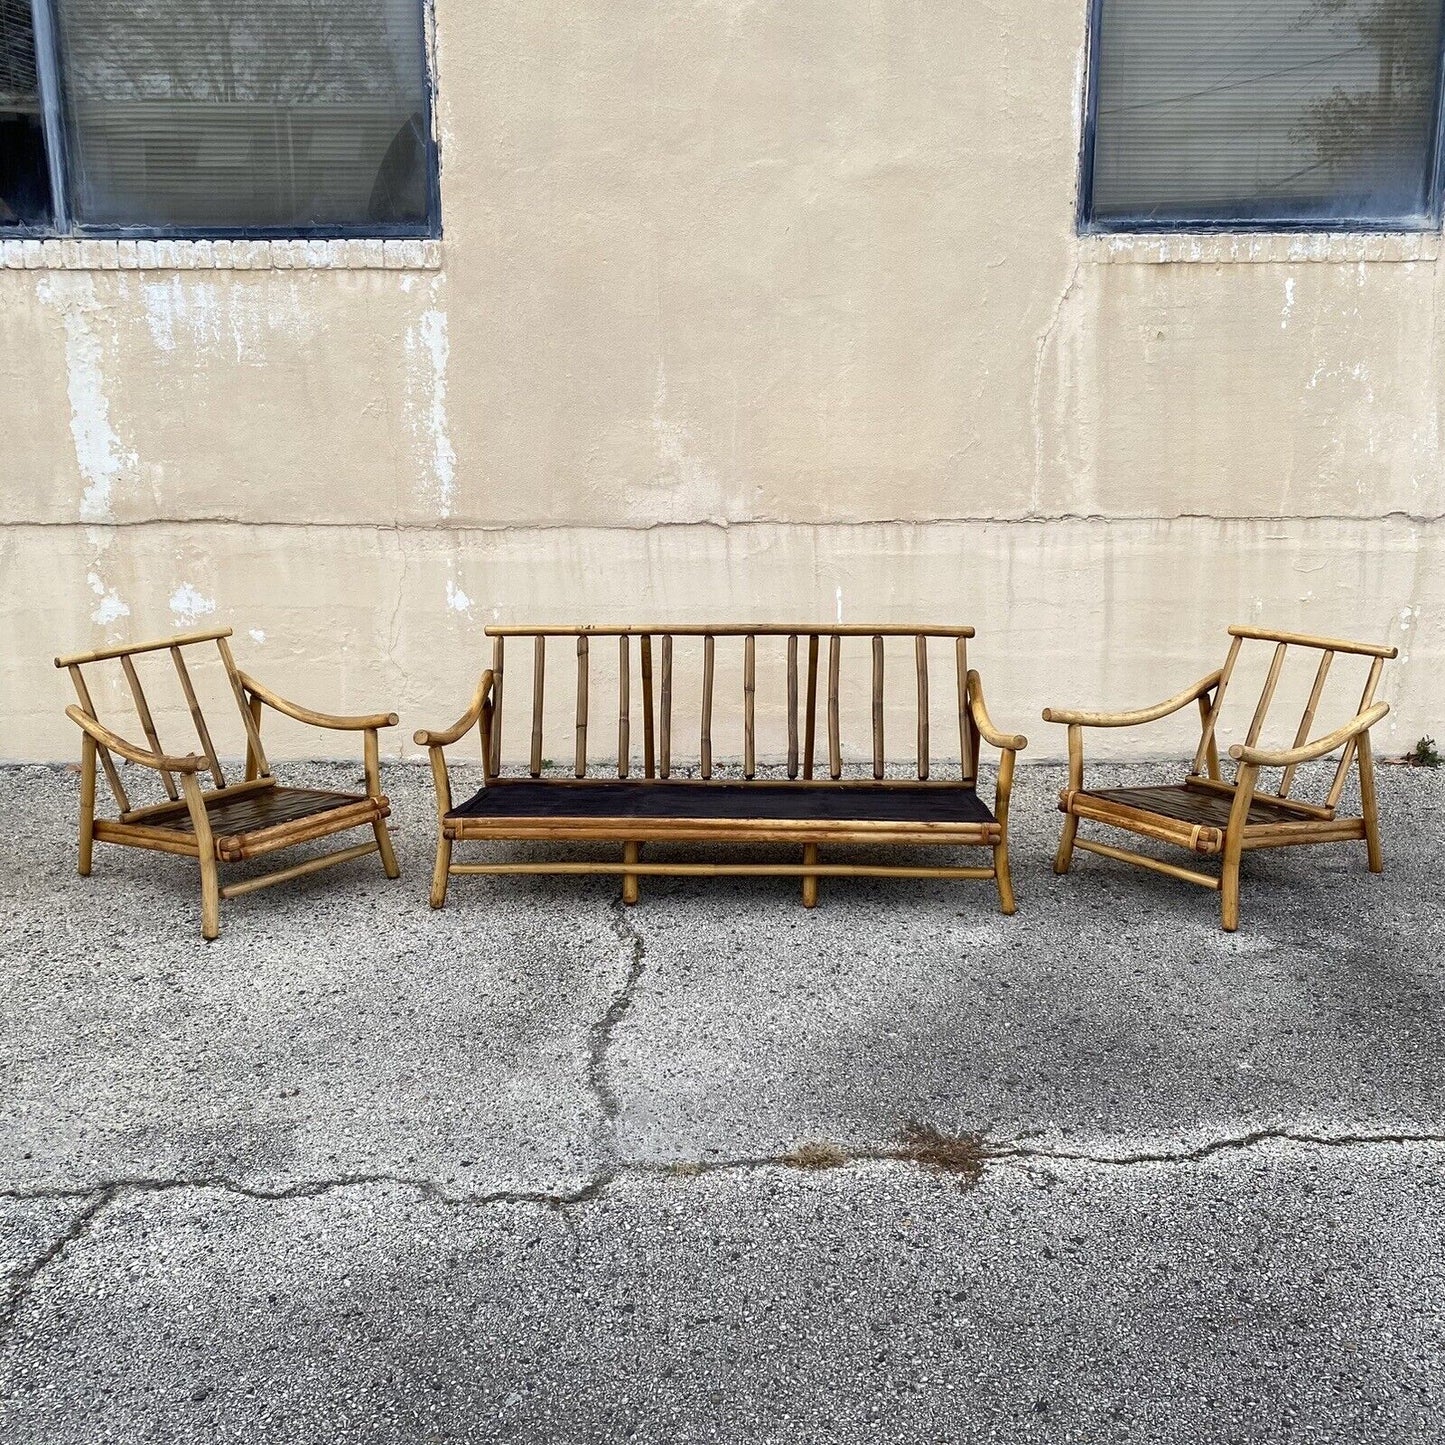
<point>532,1168</point>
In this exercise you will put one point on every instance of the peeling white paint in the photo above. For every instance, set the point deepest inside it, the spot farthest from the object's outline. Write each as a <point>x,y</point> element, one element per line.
<point>838,604</point>
<point>443,459</point>
<point>110,608</point>
<point>457,600</point>
<point>1288,303</point>
<point>188,605</point>
<point>257,634</point>
<point>99,455</point>
<point>187,304</point>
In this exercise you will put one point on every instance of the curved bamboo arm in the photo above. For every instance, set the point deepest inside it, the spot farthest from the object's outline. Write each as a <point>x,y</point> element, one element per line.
<point>1308,752</point>
<point>317,719</point>
<point>113,742</point>
<point>984,723</point>
<point>986,726</point>
<point>1138,715</point>
<point>443,738</point>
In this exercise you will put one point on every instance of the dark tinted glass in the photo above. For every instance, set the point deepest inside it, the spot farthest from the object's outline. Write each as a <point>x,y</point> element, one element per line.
<point>246,114</point>
<point>24,179</point>
<point>1290,111</point>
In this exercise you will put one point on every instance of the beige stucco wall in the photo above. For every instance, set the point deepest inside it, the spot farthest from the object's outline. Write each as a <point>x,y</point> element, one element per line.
<point>741,310</point>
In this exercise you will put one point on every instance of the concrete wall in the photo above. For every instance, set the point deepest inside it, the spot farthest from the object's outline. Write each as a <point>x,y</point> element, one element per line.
<point>742,309</point>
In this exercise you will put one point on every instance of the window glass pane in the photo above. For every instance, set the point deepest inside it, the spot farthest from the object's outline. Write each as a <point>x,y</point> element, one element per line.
<point>24,179</point>
<point>1286,110</point>
<point>239,114</point>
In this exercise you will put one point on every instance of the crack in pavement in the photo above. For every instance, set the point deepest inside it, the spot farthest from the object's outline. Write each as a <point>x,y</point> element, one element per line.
<point>96,1199</point>
<point>600,1034</point>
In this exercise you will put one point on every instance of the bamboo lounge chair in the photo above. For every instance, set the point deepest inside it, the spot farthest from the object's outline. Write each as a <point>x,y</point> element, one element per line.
<point>231,821</point>
<point>1211,816</point>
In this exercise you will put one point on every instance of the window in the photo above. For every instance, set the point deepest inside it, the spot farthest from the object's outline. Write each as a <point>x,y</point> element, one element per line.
<point>215,118</point>
<point>1256,114</point>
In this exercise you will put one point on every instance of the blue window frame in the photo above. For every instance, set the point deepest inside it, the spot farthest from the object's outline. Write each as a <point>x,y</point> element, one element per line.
<point>1263,115</point>
<point>216,118</point>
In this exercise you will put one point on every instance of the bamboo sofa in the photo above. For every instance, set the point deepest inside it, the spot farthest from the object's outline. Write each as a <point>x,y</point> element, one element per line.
<point>802,809</point>
<point>230,822</point>
<point>1212,816</point>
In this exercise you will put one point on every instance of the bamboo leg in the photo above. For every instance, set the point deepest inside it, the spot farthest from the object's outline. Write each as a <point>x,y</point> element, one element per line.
<point>1065,855</point>
<point>87,802</point>
<point>1002,875</point>
<point>810,880</point>
<point>373,787</point>
<point>206,850</point>
<point>1368,805</point>
<point>440,871</point>
<point>1234,847</point>
<point>631,889</point>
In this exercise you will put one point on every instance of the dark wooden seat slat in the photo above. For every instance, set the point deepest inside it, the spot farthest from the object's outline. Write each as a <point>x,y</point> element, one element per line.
<point>901,803</point>
<point>1191,805</point>
<point>266,808</point>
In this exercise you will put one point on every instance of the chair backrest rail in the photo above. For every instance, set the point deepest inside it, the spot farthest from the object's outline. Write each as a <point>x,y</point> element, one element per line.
<point>731,629</point>
<point>160,644</point>
<point>1305,639</point>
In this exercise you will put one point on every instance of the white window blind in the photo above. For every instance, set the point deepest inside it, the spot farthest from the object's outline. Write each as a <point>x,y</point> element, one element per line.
<point>245,114</point>
<point>1264,111</point>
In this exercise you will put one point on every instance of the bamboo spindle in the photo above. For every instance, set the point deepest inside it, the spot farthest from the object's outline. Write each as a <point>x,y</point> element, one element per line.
<point>112,773</point>
<point>539,673</point>
<point>793,705</point>
<point>811,726</point>
<point>250,714</point>
<point>624,701</point>
<point>649,734</point>
<point>705,748</point>
<point>1337,787</point>
<point>665,739</point>
<point>147,722</point>
<point>202,731</point>
<point>750,690</point>
<point>1303,731</point>
<point>1206,736</point>
<point>920,653</point>
<point>835,746</point>
<point>496,749</point>
<point>581,765</point>
<point>878,708</point>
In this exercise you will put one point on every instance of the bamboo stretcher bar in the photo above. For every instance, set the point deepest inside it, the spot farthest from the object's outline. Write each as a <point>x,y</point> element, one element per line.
<point>147,722</point>
<point>299,870</point>
<point>730,870</point>
<point>1142,860</point>
<point>202,731</point>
